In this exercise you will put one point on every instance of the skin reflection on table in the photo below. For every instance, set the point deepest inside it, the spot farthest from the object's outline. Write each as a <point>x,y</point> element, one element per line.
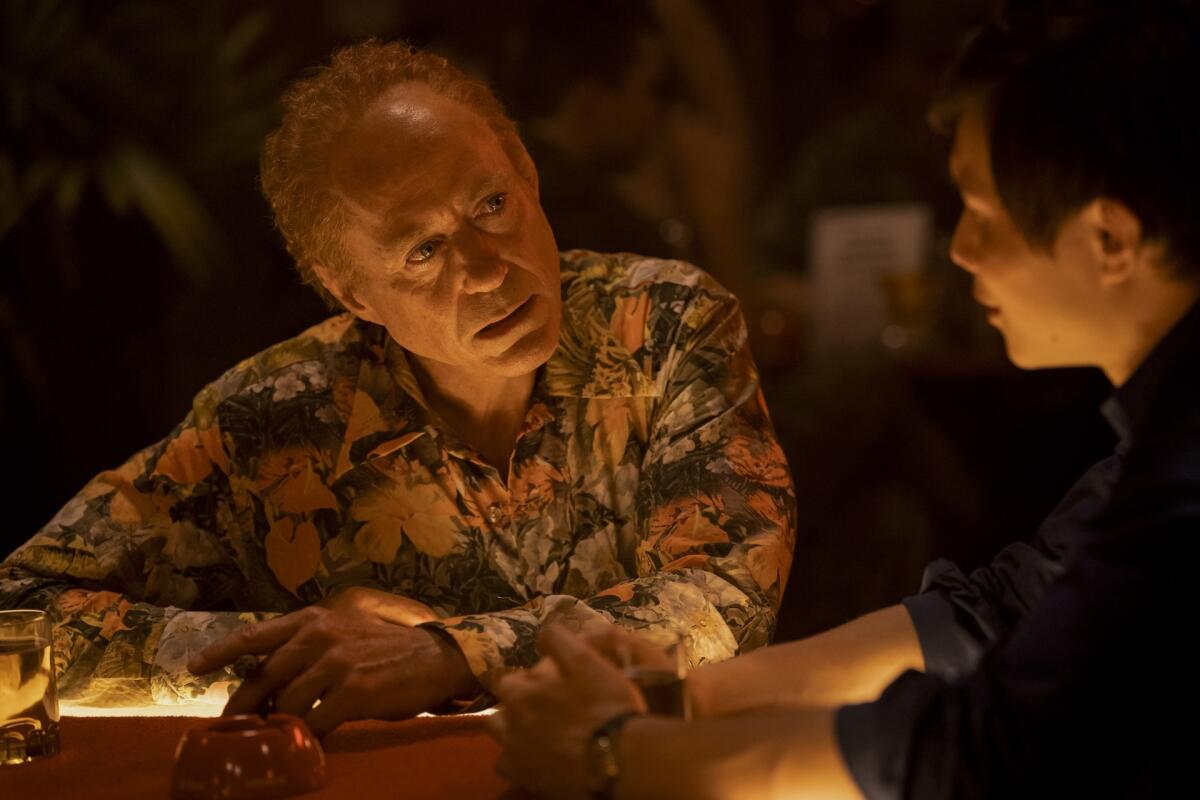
<point>124,757</point>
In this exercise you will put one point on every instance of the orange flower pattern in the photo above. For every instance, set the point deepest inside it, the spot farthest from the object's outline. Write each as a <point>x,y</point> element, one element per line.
<point>646,489</point>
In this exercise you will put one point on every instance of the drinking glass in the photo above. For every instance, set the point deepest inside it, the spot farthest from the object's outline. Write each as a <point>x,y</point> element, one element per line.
<point>28,701</point>
<point>656,661</point>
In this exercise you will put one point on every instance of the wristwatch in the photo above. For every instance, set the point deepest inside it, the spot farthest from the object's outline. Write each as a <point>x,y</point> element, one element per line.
<point>600,756</point>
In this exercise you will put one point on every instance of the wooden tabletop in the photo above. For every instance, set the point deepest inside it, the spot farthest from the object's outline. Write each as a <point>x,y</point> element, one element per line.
<point>433,758</point>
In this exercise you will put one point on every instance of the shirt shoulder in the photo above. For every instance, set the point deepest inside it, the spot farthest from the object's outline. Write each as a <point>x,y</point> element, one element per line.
<point>623,274</point>
<point>305,368</point>
<point>625,318</point>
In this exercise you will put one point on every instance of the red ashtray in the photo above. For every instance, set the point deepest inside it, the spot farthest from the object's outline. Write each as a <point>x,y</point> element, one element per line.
<point>248,756</point>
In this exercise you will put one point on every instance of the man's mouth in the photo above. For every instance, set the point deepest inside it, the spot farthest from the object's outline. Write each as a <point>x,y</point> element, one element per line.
<point>508,322</point>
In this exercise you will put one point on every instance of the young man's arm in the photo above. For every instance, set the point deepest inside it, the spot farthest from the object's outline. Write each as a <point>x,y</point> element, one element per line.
<point>767,756</point>
<point>549,713</point>
<point>943,630</point>
<point>852,663</point>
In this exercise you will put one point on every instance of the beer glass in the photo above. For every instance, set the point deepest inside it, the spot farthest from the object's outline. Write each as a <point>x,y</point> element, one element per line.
<point>28,701</point>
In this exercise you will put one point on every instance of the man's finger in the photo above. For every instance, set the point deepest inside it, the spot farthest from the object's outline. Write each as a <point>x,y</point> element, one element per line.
<point>570,653</point>
<point>284,665</point>
<point>504,768</point>
<point>613,643</point>
<point>256,638</point>
<point>511,684</point>
<point>299,696</point>
<point>331,712</point>
<point>497,725</point>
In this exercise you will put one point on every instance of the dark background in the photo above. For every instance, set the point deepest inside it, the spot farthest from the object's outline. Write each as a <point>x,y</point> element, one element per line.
<point>138,261</point>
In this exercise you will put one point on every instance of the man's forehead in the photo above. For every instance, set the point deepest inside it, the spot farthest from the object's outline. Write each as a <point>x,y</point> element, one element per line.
<point>418,106</point>
<point>413,116</point>
<point>411,134</point>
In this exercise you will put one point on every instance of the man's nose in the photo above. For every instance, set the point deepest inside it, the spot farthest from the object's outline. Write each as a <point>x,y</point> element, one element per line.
<point>483,270</point>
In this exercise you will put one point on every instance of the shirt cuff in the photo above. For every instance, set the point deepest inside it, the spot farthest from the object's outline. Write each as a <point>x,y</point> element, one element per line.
<point>875,738</point>
<point>480,638</point>
<point>950,652</point>
<point>459,705</point>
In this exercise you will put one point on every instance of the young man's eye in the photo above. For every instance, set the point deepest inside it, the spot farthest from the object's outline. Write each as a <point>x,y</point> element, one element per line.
<point>424,251</point>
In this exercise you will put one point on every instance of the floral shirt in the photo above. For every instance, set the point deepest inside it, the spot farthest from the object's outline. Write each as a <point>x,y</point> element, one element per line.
<point>646,488</point>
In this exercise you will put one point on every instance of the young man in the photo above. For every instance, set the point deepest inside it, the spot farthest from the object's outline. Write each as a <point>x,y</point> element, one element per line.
<point>1055,671</point>
<point>493,436</point>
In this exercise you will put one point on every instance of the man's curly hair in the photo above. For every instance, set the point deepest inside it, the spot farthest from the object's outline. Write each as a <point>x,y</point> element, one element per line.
<point>294,167</point>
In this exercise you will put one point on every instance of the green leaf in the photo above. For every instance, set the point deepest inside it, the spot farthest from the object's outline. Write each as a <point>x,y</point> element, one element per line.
<point>171,207</point>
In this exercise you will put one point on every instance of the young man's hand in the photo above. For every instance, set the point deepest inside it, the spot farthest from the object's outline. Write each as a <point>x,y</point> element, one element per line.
<point>549,712</point>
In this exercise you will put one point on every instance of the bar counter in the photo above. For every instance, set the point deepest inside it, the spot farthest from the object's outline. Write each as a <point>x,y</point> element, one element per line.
<point>427,758</point>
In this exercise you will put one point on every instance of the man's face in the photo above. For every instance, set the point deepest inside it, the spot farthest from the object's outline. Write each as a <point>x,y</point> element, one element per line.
<point>452,251</point>
<point>1049,307</point>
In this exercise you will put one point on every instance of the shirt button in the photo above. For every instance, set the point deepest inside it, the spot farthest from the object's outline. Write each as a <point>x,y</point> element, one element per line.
<point>494,514</point>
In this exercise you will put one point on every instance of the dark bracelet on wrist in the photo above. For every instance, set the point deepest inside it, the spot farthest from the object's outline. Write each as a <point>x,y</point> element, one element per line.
<point>600,756</point>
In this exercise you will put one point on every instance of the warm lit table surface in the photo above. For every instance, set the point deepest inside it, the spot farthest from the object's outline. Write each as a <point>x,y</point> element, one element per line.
<point>131,757</point>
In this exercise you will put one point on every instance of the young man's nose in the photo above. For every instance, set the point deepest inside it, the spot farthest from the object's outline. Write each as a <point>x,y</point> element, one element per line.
<point>963,246</point>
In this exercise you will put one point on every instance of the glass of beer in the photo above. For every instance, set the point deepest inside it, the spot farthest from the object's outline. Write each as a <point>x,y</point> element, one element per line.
<point>657,663</point>
<point>28,701</point>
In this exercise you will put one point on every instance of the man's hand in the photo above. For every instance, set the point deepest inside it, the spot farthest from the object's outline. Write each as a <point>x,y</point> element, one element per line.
<point>549,712</point>
<point>386,606</point>
<point>628,650</point>
<point>357,667</point>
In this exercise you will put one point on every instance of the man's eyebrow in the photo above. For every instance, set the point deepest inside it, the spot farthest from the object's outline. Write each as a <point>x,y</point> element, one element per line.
<point>490,183</point>
<point>397,234</point>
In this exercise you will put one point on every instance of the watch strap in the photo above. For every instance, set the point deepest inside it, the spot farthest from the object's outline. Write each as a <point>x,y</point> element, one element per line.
<point>602,746</point>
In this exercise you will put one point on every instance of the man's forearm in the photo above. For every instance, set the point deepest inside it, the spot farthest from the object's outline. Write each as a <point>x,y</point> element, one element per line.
<point>852,663</point>
<point>762,756</point>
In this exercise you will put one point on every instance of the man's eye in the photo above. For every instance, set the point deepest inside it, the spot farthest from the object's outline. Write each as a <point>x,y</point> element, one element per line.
<point>495,203</point>
<point>424,251</point>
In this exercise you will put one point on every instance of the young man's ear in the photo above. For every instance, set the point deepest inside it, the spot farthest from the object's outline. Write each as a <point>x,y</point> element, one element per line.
<point>345,294</point>
<point>1116,237</point>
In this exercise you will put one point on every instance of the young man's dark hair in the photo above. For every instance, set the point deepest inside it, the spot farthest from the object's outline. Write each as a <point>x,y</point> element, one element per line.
<point>1088,100</point>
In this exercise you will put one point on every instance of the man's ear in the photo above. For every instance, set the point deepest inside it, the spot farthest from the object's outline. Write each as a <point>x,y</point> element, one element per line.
<point>1116,239</point>
<point>345,294</point>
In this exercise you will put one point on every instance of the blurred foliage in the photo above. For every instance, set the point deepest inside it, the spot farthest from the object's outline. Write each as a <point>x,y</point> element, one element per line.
<point>141,102</point>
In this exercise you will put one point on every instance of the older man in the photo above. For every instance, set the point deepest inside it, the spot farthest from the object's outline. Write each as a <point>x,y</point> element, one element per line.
<point>1057,670</point>
<point>493,436</point>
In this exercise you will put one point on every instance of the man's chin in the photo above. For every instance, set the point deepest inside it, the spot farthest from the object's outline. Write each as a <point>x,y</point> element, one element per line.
<point>1026,357</point>
<point>525,355</point>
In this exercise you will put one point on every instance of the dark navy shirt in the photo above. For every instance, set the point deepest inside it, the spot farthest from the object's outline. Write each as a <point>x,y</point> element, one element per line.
<point>1062,668</point>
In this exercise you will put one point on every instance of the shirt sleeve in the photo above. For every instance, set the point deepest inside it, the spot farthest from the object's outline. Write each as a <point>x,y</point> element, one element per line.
<point>1081,700</point>
<point>716,518</point>
<point>958,616</point>
<point>119,567</point>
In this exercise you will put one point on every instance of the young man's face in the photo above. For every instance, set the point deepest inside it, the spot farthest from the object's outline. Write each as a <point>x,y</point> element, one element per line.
<point>1049,307</point>
<point>453,253</point>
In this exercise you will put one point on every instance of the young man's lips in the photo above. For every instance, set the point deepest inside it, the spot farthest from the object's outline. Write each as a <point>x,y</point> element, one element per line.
<point>506,323</point>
